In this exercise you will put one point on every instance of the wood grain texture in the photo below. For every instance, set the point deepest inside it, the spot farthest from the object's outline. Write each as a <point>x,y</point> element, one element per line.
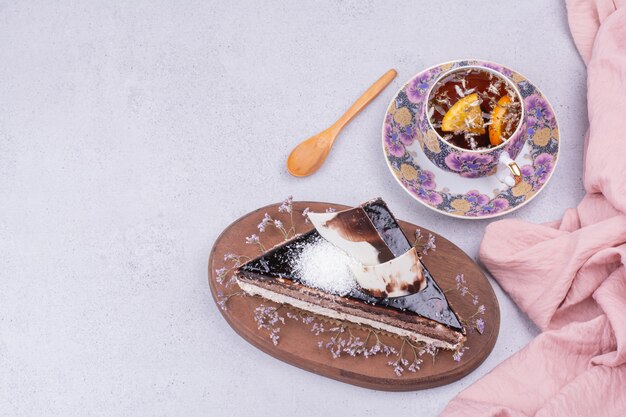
<point>298,346</point>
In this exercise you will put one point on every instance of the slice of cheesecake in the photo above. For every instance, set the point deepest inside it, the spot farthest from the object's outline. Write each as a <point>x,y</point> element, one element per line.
<point>283,274</point>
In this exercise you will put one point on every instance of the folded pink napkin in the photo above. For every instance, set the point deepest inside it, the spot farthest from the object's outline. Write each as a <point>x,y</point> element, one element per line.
<point>569,276</point>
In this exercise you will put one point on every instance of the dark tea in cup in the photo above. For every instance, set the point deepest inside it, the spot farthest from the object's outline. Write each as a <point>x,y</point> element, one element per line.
<point>474,109</point>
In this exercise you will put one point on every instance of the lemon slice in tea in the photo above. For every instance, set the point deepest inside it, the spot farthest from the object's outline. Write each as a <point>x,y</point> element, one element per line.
<point>465,115</point>
<point>497,120</point>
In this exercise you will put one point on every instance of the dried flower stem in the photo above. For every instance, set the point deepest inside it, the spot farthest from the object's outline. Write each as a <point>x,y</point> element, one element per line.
<point>222,273</point>
<point>223,299</point>
<point>292,229</point>
<point>429,245</point>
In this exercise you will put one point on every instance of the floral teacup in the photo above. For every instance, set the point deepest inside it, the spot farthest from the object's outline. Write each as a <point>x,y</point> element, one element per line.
<point>469,163</point>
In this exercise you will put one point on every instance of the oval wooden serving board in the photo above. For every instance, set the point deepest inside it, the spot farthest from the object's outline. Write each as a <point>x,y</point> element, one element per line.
<point>299,346</point>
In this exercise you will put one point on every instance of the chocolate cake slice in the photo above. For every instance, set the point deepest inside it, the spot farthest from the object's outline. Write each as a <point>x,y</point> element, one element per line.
<point>280,275</point>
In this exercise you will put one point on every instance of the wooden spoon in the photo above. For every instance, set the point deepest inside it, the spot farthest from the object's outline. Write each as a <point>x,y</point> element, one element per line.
<point>308,156</point>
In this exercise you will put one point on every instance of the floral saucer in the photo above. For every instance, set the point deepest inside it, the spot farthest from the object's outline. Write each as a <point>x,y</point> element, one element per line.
<point>447,192</point>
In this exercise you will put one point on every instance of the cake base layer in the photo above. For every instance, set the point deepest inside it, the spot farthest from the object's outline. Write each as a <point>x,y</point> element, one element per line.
<point>401,323</point>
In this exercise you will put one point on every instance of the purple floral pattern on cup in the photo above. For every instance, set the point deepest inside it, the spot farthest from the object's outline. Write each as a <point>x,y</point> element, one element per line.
<point>515,144</point>
<point>541,138</point>
<point>418,86</point>
<point>538,108</point>
<point>469,165</point>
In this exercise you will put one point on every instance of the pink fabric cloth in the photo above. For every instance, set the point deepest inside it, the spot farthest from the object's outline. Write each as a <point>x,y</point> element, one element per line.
<point>570,276</point>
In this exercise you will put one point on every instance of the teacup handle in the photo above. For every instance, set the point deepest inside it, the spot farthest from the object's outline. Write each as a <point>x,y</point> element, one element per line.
<point>512,175</point>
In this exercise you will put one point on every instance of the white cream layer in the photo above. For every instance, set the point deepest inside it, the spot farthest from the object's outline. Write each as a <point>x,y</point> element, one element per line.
<point>323,311</point>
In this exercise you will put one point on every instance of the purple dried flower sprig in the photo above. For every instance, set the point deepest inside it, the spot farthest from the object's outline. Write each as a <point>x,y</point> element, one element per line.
<point>479,324</point>
<point>458,354</point>
<point>460,284</point>
<point>254,239</point>
<point>342,341</point>
<point>268,318</point>
<point>264,222</point>
<point>287,205</point>
<point>475,321</point>
<point>402,364</point>
<point>317,328</point>
<point>222,299</point>
<point>268,220</point>
<point>223,275</point>
<point>428,245</point>
<point>299,316</point>
<point>231,257</point>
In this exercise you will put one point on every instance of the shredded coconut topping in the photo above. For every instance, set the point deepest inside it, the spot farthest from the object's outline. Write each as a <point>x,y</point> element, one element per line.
<point>322,265</point>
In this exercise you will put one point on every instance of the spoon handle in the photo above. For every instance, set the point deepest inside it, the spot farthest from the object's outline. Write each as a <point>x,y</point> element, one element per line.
<point>364,100</point>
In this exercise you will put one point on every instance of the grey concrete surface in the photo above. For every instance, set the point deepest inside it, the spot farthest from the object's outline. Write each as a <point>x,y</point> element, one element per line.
<point>132,133</point>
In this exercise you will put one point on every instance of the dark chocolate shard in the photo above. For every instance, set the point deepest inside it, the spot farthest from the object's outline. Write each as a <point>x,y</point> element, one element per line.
<point>387,226</point>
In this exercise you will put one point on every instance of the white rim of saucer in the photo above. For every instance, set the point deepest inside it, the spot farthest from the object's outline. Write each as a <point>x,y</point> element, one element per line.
<point>456,216</point>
